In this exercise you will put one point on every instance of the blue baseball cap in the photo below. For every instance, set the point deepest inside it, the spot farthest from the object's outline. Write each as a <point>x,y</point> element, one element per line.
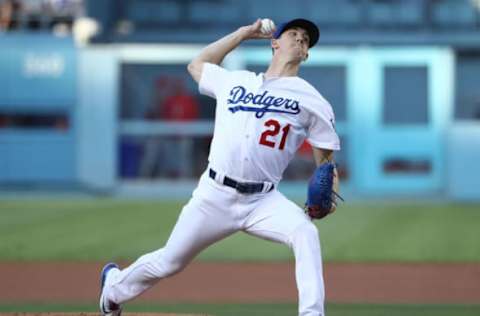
<point>310,27</point>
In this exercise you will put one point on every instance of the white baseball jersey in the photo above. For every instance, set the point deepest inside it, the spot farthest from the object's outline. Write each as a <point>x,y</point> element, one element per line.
<point>259,126</point>
<point>260,123</point>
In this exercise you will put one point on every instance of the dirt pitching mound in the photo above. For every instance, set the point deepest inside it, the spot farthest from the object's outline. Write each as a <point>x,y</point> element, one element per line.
<point>393,283</point>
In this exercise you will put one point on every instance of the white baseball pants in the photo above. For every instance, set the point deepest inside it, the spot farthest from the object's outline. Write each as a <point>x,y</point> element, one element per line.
<point>214,212</point>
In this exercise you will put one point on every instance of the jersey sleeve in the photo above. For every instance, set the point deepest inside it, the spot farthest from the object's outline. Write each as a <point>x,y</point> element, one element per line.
<point>212,79</point>
<point>321,132</point>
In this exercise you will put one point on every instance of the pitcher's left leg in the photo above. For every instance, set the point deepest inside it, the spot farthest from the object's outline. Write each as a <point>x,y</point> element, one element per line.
<point>278,219</point>
<point>308,270</point>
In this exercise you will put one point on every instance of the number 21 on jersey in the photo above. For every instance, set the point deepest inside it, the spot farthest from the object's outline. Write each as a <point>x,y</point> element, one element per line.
<point>268,137</point>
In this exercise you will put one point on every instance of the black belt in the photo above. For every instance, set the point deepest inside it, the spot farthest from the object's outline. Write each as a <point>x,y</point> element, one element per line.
<point>242,187</point>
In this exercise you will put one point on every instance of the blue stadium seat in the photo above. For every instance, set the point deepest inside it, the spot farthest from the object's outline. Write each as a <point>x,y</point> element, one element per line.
<point>278,11</point>
<point>217,11</point>
<point>396,13</point>
<point>155,19</point>
<point>150,11</point>
<point>454,13</point>
<point>346,12</point>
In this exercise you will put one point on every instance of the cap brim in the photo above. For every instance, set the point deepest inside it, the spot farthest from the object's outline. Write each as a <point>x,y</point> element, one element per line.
<point>310,27</point>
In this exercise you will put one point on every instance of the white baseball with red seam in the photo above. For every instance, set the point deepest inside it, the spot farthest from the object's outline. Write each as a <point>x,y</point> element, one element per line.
<point>267,26</point>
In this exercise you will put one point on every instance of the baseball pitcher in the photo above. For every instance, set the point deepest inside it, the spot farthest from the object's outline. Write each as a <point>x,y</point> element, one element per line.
<point>260,121</point>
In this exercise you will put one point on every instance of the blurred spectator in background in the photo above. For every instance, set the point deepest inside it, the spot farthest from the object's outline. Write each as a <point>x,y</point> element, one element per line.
<point>32,14</point>
<point>170,156</point>
<point>179,106</point>
<point>55,15</point>
<point>63,14</point>
<point>8,9</point>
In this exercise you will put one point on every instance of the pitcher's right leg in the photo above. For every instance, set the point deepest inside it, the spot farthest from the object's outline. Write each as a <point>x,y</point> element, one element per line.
<point>201,223</point>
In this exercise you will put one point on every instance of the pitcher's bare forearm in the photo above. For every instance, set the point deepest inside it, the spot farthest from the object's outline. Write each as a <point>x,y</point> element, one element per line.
<point>321,155</point>
<point>216,51</point>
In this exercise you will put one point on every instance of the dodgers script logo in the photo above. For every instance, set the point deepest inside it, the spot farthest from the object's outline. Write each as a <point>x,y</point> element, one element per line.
<point>239,95</point>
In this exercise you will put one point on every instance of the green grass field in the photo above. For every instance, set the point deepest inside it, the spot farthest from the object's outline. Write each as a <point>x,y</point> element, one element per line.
<point>278,309</point>
<point>104,229</point>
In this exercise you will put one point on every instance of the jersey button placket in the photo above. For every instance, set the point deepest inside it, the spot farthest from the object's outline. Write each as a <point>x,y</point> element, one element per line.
<point>247,140</point>
<point>248,127</point>
<point>243,146</point>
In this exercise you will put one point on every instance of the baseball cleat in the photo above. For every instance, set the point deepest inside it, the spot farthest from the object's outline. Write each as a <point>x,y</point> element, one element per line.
<point>108,308</point>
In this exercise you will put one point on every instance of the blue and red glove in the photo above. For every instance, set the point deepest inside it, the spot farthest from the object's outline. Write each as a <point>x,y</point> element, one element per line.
<point>321,196</point>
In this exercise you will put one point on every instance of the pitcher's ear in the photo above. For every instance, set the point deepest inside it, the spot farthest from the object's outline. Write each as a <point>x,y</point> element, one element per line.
<point>274,43</point>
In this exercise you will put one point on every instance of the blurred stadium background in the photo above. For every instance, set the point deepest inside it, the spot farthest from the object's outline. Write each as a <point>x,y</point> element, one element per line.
<point>95,96</point>
<point>95,101</point>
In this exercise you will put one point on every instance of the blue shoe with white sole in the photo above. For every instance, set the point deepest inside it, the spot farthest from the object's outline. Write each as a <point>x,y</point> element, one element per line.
<point>108,308</point>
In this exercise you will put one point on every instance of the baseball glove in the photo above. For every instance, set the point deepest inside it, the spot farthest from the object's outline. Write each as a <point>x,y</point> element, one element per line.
<point>321,197</point>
